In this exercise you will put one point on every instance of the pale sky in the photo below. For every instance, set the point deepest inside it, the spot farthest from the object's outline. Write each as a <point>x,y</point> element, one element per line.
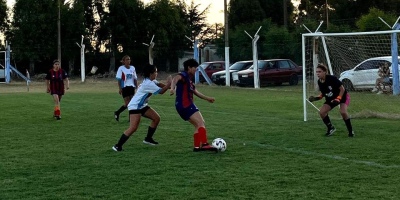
<point>215,14</point>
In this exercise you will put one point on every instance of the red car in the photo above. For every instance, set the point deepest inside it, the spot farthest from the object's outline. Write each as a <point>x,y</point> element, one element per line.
<point>210,68</point>
<point>275,71</point>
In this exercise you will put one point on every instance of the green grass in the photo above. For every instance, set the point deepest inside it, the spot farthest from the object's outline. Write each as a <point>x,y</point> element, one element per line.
<point>272,153</point>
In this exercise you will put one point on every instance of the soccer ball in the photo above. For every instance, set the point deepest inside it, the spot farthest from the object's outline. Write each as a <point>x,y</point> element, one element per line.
<point>220,144</point>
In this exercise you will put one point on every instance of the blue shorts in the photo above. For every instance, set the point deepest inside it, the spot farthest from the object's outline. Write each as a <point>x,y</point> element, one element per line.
<point>187,112</point>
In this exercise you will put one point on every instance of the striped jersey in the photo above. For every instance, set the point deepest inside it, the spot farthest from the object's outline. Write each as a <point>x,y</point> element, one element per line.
<point>56,79</point>
<point>143,93</point>
<point>126,75</point>
<point>184,91</point>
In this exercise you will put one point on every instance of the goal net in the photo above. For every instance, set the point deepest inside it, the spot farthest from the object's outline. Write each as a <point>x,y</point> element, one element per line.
<point>345,51</point>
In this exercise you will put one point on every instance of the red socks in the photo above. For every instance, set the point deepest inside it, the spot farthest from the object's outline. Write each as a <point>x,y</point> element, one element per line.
<point>57,111</point>
<point>200,137</point>
<point>196,140</point>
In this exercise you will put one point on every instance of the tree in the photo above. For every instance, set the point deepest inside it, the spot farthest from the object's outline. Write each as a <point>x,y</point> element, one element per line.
<point>30,20</point>
<point>166,22</point>
<point>371,21</point>
<point>127,37</point>
<point>3,16</point>
<point>244,12</point>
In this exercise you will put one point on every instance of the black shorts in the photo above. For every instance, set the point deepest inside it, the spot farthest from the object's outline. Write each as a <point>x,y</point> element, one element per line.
<point>141,111</point>
<point>128,91</point>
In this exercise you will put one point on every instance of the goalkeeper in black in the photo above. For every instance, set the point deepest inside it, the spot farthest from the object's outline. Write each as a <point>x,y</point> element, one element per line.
<point>335,94</point>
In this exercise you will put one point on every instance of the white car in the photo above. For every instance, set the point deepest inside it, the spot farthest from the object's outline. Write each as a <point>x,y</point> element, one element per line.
<point>364,75</point>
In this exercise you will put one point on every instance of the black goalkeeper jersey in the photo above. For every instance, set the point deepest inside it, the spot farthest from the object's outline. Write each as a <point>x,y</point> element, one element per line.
<point>330,88</point>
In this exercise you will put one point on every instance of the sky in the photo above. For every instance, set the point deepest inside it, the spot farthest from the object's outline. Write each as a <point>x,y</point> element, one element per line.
<point>215,14</point>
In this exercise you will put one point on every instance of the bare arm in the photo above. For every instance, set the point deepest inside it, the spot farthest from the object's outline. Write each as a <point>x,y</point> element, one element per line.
<point>341,91</point>
<point>202,96</point>
<point>173,83</point>
<point>47,86</point>
<point>66,83</point>
<point>165,87</point>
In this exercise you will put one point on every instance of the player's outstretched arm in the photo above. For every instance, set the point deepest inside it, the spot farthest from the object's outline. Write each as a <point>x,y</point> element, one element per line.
<point>173,83</point>
<point>202,96</point>
<point>312,98</point>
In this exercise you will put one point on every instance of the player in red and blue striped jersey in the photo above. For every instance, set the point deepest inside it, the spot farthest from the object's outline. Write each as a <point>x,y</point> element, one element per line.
<point>185,107</point>
<point>127,82</point>
<point>57,82</point>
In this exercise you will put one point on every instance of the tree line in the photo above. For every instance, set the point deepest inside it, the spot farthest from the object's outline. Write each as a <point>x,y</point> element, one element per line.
<point>113,28</point>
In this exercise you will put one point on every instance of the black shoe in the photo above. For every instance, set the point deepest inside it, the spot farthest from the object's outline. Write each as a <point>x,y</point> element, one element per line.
<point>116,116</point>
<point>197,149</point>
<point>57,117</point>
<point>116,148</point>
<point>330,131</point>
<point>351,134</point>
<point>150,141</point>
<point>205,147</point>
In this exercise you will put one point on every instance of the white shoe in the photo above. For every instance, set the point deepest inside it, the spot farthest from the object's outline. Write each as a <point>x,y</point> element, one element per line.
<point>380,92</point>
<point>374,90</point>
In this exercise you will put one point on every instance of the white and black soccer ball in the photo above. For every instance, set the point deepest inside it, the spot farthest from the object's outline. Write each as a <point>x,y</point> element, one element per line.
<point>220,144</point>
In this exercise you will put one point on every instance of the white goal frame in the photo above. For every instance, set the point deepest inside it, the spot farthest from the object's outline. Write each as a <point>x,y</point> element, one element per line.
<point>315,58</point>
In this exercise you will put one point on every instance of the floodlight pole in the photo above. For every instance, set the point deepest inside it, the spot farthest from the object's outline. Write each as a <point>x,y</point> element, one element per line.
<point>83,73</point>
<point>255,58</point>
<point>226,30</point>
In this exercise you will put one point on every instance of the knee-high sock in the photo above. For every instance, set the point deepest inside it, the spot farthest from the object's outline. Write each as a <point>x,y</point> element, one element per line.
<point>57,111</point>
<point>150,132</point>
<point>203,135</point>
<point>348,125</point>
<point>327,121</point>
<point>196,140</point>
<point>121,109</point>
<point>122,140</point>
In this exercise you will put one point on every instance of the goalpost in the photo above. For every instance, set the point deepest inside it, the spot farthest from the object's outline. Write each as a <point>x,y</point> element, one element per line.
<point>341,52</point>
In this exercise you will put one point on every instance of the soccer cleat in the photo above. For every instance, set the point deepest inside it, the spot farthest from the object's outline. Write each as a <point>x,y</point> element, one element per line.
<point>380,92</point>
<point>205,147</point>
<point>374,90</point>
<point>351,134</point>
<point>149,141</point>
<point>116,116</point>
<point>57,117</point>
<point>116,148</point>
<point>330,131</point>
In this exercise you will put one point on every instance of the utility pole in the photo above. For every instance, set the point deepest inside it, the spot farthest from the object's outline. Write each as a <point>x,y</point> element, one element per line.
<point>59,31</point>
<point>227,73</point>
<point>327,15</point>
<point>285,15</point>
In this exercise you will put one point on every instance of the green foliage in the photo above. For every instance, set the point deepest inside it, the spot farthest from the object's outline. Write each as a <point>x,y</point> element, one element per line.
<point>30,18</point>
<point>244,12</point>
<point>127,37</point>
<point>278,44</point>
<point>3,16</point>
<point>371,21</point>
<point>272,153</point>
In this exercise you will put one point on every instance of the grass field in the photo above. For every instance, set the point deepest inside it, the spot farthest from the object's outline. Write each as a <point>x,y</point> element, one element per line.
<point>272,153</point>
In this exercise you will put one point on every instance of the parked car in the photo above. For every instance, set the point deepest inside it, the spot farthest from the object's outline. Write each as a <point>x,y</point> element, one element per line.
<point>210,68</point>
<point>275,71</point>
<point>219,77</point>
<point>364,75</point>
